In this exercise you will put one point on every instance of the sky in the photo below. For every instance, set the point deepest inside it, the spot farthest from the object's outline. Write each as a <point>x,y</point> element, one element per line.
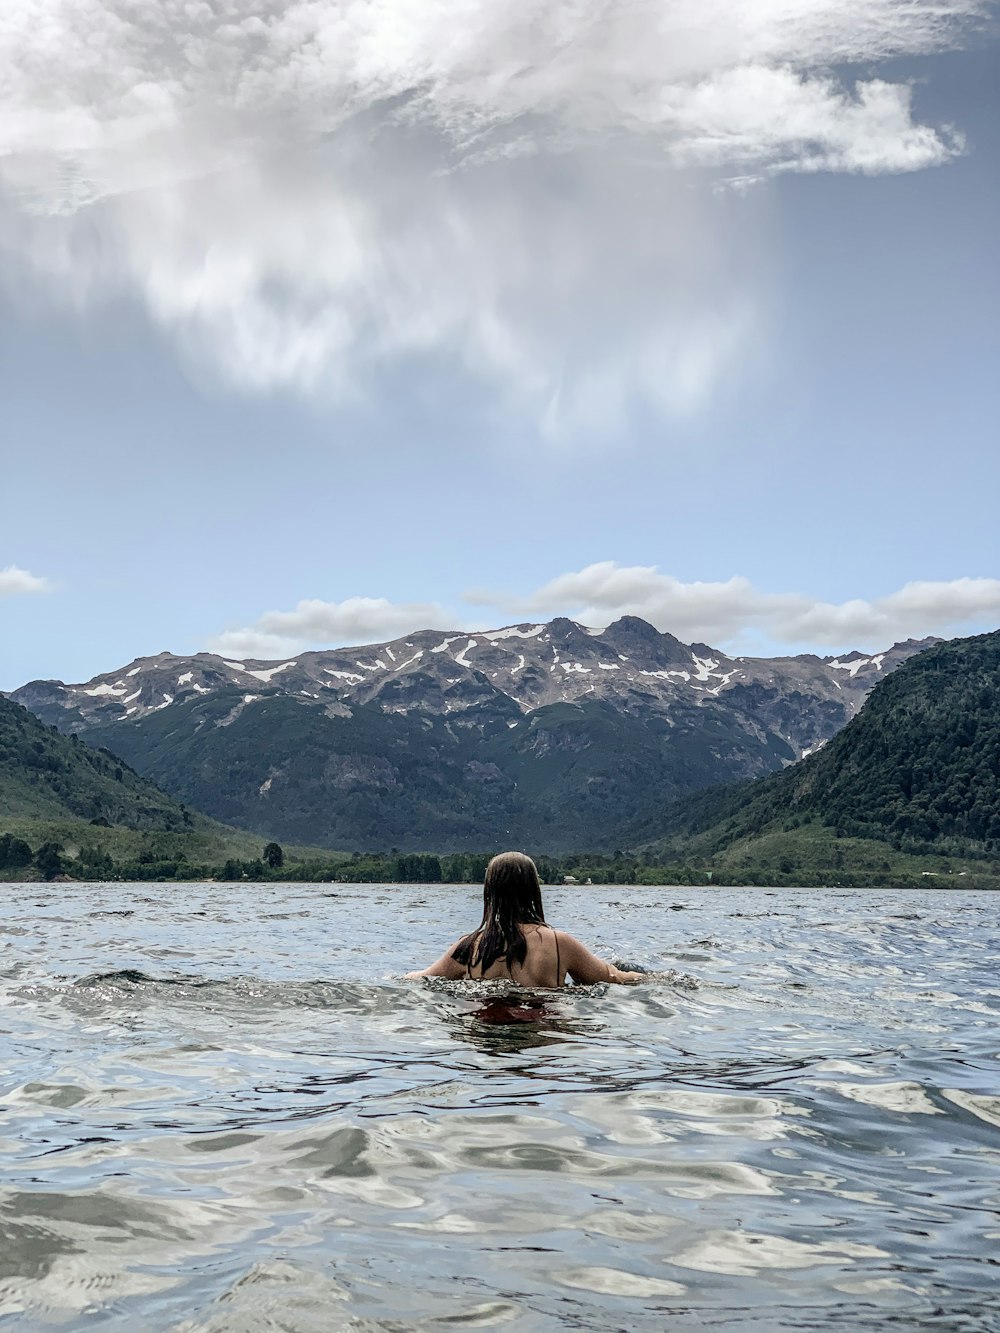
<point>326,321</point>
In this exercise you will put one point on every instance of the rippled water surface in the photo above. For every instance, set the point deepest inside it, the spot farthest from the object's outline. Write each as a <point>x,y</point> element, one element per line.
<point>223,1110</point>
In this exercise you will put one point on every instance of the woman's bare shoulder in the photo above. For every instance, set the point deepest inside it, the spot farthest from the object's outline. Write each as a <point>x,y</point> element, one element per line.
<point>446,966</point>
<point>585,967</point>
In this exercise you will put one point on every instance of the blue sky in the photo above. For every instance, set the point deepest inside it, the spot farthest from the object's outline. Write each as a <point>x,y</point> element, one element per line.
<point>320,331</point>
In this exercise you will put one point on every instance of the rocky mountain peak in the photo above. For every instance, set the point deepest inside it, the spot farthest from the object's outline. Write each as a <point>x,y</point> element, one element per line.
<point>499,674</point>
<point>633,628</point>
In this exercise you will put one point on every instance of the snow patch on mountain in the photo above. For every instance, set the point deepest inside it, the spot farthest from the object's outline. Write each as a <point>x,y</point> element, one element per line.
<point>266,675</point>
<point>511,632</point>
<point>460,657</point>
<point>853,667</point>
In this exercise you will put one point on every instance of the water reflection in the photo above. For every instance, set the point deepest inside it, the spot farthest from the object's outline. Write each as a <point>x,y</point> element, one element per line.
<point>513,1009</point>
<point>512,1020</point>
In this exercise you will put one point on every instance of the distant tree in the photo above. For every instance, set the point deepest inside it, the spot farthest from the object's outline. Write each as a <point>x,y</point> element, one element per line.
<point>416,869</point>
<point>453,869</point>
<point>95,862</point>
<point>477,868</point>
<point>14,852</point>
<point>232,870</point>
<point>274,856</point>
<point>48,860</point>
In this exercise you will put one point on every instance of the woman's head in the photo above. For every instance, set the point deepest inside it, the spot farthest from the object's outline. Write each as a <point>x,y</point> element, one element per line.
<point>512,895</point>
<point>511,889</point>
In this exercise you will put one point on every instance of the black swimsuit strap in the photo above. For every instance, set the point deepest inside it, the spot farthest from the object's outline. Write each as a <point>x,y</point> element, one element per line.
<point>559,974</point>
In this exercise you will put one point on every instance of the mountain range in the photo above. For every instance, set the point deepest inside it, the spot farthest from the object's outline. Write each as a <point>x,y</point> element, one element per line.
<point>550,735</point>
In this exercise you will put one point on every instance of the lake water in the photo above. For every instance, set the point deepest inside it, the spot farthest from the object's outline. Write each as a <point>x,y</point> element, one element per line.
<point>222,1110</point>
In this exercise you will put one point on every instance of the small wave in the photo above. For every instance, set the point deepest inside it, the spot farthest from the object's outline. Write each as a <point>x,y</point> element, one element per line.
<point>132,976</point>
<point>670,977</point>
<point>244,993</point>
<point>493,988</point>
<point>503,987</point>
<point>626,965</point>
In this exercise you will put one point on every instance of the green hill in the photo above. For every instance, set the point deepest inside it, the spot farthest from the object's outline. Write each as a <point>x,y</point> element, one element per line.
<point>916,774</point>
<point>55,789</point>
<point>44,775</point>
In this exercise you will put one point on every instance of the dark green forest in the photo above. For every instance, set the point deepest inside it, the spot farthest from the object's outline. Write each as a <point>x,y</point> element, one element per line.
<point>46,775</point>
<point>565,776</point>
<point>918,769</point>
<point>68,806</point>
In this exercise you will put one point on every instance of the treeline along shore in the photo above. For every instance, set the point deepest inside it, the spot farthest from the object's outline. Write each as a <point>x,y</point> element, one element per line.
<point>53,862</point>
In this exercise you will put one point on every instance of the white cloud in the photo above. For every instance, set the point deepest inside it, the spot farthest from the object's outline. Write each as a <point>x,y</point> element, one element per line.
<point>730,614</point>
<point>314,623</point>
<point>726,613</point>
<point>14,580</point>
<point>304,192</point>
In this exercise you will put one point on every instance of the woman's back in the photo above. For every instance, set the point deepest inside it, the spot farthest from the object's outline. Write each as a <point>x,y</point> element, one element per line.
<point>542,965</point>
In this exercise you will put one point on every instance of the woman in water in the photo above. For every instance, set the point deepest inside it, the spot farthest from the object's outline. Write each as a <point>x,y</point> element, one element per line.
<point>513,941</point>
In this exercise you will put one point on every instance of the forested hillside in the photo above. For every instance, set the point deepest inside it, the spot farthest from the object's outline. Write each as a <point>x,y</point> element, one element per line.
<point>66,807</point>
<point>918,768</point>
<point>565,777</point>
<point>44,775</point>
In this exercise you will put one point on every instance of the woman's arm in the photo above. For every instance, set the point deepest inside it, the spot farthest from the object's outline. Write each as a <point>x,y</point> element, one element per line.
<point>586,968</point>
<point>446,966</point>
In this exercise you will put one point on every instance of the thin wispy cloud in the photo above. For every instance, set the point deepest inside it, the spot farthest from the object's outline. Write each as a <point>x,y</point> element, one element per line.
<point>726,613</point>
<point>14,581</point>
<point>303,194</point>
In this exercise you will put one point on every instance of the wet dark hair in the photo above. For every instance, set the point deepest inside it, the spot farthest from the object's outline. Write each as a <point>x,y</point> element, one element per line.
<point>511,895</point>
